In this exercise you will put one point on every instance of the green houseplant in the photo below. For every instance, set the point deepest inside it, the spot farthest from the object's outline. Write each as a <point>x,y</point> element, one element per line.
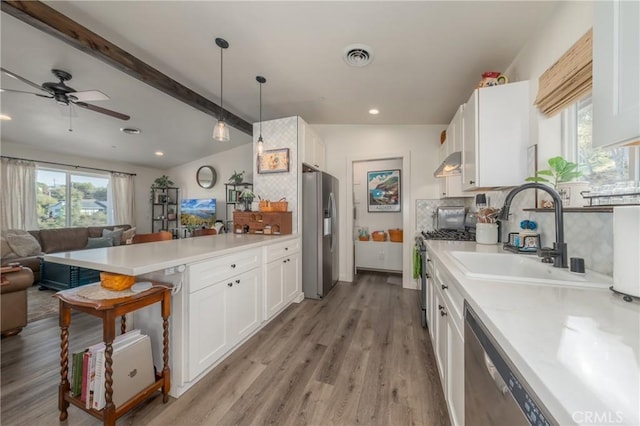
<point>560,170</point>
<point>161,182</point>
<point>236,177</point>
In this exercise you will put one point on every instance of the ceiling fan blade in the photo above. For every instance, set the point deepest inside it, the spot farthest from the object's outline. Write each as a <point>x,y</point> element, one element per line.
<point>113,114</point>
<point>24,80</point>
<point>88,96</point>
<point>28,93</point>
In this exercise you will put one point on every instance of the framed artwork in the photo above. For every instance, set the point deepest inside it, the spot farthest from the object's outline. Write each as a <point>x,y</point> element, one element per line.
<point>384,191</point>
<point>274,161</point>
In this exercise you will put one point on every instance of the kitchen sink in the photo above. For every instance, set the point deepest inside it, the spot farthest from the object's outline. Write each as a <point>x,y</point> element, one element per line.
<point>525,269</point>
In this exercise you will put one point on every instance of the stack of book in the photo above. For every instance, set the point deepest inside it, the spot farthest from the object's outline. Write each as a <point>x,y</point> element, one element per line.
<point>132,370</point>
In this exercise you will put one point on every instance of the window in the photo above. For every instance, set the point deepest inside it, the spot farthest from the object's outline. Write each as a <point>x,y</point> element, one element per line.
<point>599,166</point>
<point>68,199</point>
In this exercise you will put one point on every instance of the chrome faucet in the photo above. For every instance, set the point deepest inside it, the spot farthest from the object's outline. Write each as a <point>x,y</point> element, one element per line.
<point>559,250</point>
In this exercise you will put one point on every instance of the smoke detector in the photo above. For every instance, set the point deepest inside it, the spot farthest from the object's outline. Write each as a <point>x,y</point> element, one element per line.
<point>358,55</point>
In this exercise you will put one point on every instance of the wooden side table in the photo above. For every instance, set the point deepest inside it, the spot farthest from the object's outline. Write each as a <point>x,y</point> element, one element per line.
<point>109,310</point>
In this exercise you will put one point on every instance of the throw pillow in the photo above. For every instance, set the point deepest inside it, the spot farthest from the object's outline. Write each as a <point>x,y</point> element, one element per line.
<point>99,242</point>
<point>116,235</point>
<point>127,236</point>
<point>5,250</point>
<point>23,243</point>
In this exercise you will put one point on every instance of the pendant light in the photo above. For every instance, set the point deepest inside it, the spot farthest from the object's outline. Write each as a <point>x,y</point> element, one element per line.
<point>260,80</point>
<point>221,130</point>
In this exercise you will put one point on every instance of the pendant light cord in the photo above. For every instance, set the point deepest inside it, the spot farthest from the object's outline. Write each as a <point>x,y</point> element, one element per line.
<point>221,86</point>
<point>261,110</point>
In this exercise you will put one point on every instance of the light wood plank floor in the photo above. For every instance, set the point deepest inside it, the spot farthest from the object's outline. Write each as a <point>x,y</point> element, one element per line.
<point>357,357</point>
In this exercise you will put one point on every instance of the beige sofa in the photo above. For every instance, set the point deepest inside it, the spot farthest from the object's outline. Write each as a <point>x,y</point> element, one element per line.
<point>57,240</point>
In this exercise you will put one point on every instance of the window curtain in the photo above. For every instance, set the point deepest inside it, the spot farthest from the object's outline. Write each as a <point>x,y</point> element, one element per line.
<point>123,201</point>
<point>18,205</point>
<point>568,80</point>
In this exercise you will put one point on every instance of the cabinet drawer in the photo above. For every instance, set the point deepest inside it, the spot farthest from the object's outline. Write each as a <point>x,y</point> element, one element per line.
<point>278,250</point>
<point>452,296</point>
<point>206,273</point>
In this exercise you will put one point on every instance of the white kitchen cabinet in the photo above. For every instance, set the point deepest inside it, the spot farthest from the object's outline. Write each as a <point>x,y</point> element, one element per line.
<point>379,255</point>
<point>282,276</point>
<point>616,72</point>
<point>448,339</point>
<point>208,327</point>
<point>223,307</point>
<point>313,147</point>
<point>495,137</point>
<point>451,186</point>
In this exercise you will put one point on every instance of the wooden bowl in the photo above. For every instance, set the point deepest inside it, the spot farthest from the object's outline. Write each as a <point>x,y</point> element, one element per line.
<point>116,282</point>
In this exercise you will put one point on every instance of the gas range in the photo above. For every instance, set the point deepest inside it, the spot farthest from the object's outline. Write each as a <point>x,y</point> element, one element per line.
<point>449,234</point>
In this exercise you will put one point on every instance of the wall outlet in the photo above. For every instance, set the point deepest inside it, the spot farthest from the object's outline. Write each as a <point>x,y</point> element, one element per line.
<point>170,271</point>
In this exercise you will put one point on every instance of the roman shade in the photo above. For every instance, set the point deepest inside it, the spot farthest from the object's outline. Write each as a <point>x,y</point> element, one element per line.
<point>569,79</point>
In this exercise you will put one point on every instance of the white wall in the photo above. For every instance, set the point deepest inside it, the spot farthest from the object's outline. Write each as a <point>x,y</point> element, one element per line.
<point>224,163</point>
<point>143,180</point>
<point>375,220</point>
<point>418,144</point>
<point>570,21</point>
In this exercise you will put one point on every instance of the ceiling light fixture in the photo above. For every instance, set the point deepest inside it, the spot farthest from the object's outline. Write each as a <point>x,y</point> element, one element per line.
<point>159,153</point>
<point>221,130</point>
<point>260,80</point>
<point>130,130</point>
<point>374,111</point>
<point>4,117</point>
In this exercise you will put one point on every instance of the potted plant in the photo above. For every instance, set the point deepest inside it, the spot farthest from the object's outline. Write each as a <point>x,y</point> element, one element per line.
<point>236,177</point>
<point>246,198</point>
<point>163,182</point>
<point>560,176</point>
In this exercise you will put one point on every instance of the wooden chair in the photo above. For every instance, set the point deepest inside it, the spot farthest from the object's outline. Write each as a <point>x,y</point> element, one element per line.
<point>149,238</point>
<point>202,232</point>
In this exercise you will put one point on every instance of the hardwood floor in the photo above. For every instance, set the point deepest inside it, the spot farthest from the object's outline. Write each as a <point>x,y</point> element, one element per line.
<point>359,356</point>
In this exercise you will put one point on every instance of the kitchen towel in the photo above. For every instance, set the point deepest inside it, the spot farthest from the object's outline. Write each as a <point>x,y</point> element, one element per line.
<point>417,263</point>
<point>626,250</point>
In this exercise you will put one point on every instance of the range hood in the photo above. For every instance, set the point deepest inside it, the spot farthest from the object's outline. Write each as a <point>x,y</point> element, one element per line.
<point>450,166</point>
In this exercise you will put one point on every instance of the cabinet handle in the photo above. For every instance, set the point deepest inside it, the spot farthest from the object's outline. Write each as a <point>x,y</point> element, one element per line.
<point>444,193</point>
<point>443,313</point>
<point>286,248</point>
<point>284,261</point>
<point>428,276</point>
<point>440,307</point>
<point>237,281</point>
<point>233,265</point>
<point>472,182</point>
<point>230,284</point>
<point>444,287</point>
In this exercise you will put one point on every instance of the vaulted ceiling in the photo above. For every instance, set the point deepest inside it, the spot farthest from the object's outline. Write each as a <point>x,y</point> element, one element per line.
<point>427,57</point>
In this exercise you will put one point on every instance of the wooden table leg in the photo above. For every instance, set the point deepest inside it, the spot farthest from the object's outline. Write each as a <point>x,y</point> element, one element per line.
<point>108,334</point>
<point>65,320</point>
<point>166,373</point>
<point>123,324</point>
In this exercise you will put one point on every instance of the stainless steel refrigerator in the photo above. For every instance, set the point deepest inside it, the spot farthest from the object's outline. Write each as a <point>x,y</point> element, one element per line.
<point>320,262</point>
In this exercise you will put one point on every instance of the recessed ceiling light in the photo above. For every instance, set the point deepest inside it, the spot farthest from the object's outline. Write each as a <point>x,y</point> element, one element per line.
<point>4,117</point>
<point>159,153</point>
<point>374,111</point>
<point>130,130</point>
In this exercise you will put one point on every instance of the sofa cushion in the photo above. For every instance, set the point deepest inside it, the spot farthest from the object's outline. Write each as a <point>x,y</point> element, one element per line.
<point>127,236</point>
<point>99,242</point>
<point>23,243</point>
<point>96,231</point>
<point>5,249</point>
<point>116,235</point>
<point>63,239</point>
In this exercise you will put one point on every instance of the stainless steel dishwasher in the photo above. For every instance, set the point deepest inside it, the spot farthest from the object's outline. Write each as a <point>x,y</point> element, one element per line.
<point>494,391</point>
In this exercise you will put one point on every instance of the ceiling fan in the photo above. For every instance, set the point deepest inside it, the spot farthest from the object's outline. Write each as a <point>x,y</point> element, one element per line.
<point>65,95</point>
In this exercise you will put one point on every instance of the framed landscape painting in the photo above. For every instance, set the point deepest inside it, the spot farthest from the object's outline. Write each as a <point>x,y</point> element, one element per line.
<point>384,191</point>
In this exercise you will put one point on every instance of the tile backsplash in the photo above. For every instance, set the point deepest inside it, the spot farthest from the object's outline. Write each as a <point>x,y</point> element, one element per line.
<point>588,235</point>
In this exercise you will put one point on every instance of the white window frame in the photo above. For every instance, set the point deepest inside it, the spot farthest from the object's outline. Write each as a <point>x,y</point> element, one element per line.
<point>68,173</point>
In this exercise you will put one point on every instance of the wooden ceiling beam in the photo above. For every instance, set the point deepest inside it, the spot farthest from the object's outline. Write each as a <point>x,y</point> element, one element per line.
<point>47,19</point>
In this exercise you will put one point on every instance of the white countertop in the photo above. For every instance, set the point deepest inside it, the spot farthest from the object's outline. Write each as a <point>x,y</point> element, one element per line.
<point>137,259</point>
<point>578,349</point>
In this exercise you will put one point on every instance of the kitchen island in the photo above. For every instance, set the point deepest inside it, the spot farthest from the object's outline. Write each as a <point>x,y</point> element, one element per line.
<point>577,348</point>
<point>226,288</point>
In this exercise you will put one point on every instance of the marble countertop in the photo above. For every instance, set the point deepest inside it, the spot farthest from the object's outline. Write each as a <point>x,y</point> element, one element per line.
<point>578,349</point>
<point>137,259</point>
